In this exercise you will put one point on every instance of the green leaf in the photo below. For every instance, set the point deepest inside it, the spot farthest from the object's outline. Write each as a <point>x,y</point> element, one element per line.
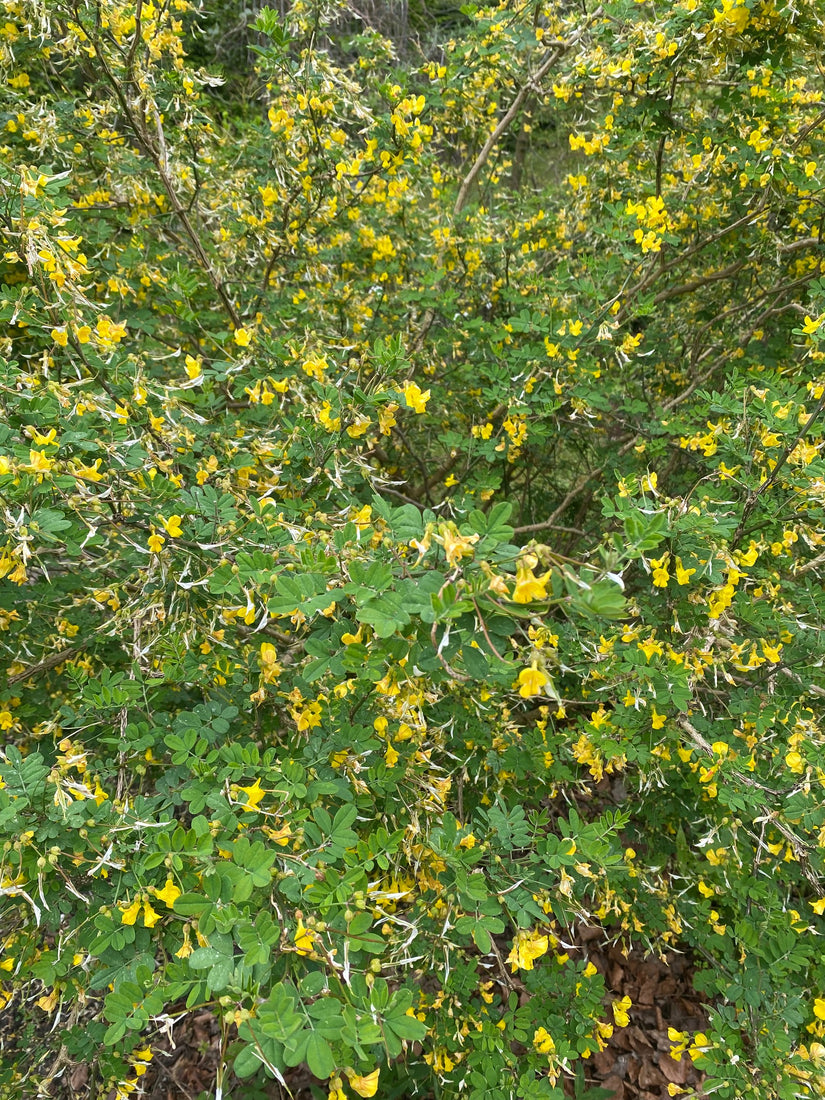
<point>219,965</point>
<point>406,1027</point>
<point>482,939</point>
<point>246,1062</point>
<point>319,1056</point>
<point>603,598</point>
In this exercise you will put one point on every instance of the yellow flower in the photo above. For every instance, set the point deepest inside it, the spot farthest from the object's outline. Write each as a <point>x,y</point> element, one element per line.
<point>818,906</point>
<point>316,368</point>
<point>48,1002</point>
<point>39,463</point>
<point>650,647</point>
<point>527,947</point>
<point>529,587</point>
<point>657,720</point>
<point>795,762</point>
<point>456,546</point>
<point>303,939</point>
<point>173,526</point>
<point>732,19</point>
<point>531,681</point>
<point>254,794</point>
<point>811,326</point>
<point>650,481</point>
<point>156,542</point>
<point>683,575</point>
<point>772,652</point>
<point>699,1045</point>
<point>60,336</point>
<point>414,397</point>
<point>185,949</point>
<point>599,717</point>
<point>331,423</point>
<point>543,1041</point>
<point>169,894</point>
<point>620,1011</point>
<point>819,1008</point>
<point>358,428</point>
<point>391,755</point>
<point>270,669</point>
<point>243,337</point>
<point>280,836</point>
<point>363,517</point>
<point>89,473</point>
<point>129,916</point>
<point>150,917</point>
<point>364,1086</point>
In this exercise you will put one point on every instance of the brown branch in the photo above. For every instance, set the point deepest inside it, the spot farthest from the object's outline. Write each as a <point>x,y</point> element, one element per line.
<point>579,487</point>
<point>130,60</point>
<point>657,271</point>
<point>161,162</point>
<point>44,665</point>
<point>699,743</point>
<point>811,126</point>
<point>159,157</point>
<point>453,460</point>
<point>530,86</point>
<point>750,503</point>
<point>803,242</point>
<point>698,283</point>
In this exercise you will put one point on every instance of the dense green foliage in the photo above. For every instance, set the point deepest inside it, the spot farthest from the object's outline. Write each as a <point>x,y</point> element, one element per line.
<point>411,471</point>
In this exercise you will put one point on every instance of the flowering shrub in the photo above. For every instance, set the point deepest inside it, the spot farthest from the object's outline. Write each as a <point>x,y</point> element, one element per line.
<point>413,495</point>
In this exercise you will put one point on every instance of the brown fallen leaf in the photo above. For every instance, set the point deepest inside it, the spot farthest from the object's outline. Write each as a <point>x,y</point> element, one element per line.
<point>617,1085</point>
<point>647,991</point>
<point>649,1076</point>
<point>638,1039</point>
<point>676,1072</point>
<point>603,1062</point>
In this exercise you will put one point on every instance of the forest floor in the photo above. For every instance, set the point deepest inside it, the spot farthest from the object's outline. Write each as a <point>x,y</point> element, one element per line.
<point>635,1065</point>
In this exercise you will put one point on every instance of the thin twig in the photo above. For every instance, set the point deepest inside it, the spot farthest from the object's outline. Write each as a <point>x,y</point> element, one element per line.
<point>44,665</point>
<point>529,86</point>
<point>750,503</point>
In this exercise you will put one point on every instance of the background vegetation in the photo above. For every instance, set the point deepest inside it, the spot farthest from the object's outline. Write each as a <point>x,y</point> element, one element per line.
<point>411,467</point>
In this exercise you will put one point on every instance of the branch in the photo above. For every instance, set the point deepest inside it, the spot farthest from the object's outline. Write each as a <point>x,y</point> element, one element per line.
<point>696,284</point>
<point>159,157</point>
<point>750,503</point>
<point>530,86</point>
<point>43,666</point>
<point>656,273</point>
<point>699,742</point>
<point>803,242</point>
